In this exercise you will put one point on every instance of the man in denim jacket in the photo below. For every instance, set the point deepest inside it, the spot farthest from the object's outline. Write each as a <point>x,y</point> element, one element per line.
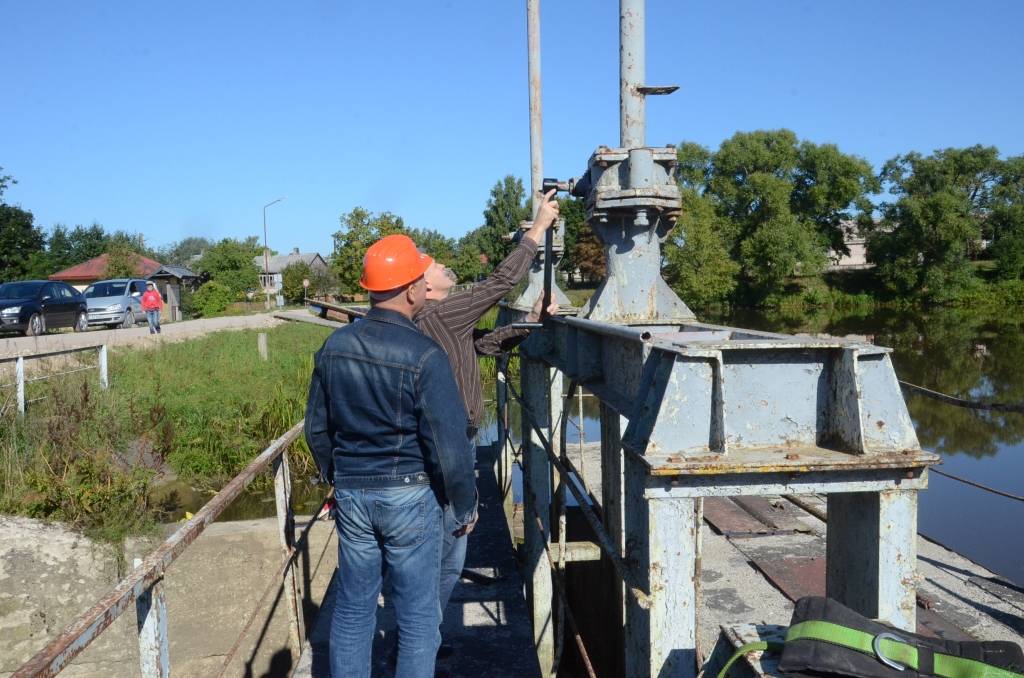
<point>385,420</point>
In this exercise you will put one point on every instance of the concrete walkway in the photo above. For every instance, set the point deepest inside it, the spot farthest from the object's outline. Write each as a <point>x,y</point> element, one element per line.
<point>11,345</point>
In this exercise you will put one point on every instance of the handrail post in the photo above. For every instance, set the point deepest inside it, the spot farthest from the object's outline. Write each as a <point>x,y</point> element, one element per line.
<point>104,382</point>
<point>286,533</point>
<point>151,613</point>
<point>19,377</point>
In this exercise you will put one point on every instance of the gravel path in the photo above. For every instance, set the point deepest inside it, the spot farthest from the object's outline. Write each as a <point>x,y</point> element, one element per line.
<point>11,345</point>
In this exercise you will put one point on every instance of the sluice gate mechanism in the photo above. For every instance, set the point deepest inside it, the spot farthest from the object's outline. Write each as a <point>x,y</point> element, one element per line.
<point>691,410</point>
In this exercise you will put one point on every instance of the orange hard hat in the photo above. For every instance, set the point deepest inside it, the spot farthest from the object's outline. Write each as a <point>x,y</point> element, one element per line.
<point>393,262</point>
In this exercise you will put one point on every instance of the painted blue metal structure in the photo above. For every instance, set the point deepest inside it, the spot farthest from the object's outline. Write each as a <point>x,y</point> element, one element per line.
<point>691,410</point>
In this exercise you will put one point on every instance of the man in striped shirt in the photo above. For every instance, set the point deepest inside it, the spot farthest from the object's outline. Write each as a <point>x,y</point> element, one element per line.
<point>450,320</point>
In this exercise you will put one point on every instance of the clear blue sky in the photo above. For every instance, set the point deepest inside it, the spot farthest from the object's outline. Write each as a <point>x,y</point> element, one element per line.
<point>178,119</point>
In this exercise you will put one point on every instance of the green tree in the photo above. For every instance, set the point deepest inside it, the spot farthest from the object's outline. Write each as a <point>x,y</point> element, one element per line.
<point>360,228</point>
<point>436,244</point>
<point>5,181</point>
<point>1007,219</point>
<point>924,241</point>
<point>590,255</point>
<point>59,249</point>
<point>697,262</point>
<point>291,281</point>
<point>830,187</point>
<point>86,243</point>
<point>507,207</point>
<point>180,253</point>
<point>212,298</point>
<point>470,261</point>
<point>230,264</point>
<point>21,242</point>
<point>122,260</point>
<point>571,210</point>
<point>752,181</point>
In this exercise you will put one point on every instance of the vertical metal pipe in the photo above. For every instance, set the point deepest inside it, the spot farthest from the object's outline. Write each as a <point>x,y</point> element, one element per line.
<point>151,616</point>
<point>19,378</point>
<point>104,381</point>
<point>631,74</point>
<point>536,131</point>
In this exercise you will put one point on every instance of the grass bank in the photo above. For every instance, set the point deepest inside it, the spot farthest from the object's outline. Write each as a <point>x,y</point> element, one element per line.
<point>200,410</point>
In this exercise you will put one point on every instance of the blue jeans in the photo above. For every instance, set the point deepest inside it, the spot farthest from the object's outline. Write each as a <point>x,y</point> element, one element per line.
<point>153,318</point>
<point>453,558</point>
<point>392,532</point>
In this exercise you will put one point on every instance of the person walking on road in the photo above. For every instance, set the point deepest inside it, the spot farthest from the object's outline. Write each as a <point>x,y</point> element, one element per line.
<point>451,319</point>
<point>152,303</point>
<point>385,422</point>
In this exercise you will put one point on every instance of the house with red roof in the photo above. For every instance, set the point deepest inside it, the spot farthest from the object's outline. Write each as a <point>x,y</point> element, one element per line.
<point>86,273</point>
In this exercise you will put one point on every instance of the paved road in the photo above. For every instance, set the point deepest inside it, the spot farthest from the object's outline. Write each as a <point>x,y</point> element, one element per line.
<point>11,345</point>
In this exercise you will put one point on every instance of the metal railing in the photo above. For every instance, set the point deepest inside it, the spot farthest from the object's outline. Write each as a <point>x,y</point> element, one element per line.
<point>144,585</point>
<point>21,380</point>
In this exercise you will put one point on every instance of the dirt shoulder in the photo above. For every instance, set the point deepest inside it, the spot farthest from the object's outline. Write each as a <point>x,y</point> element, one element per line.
<point>11,345</point>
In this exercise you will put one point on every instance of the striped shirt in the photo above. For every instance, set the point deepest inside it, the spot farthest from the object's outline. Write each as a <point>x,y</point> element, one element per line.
<point>451,322</point>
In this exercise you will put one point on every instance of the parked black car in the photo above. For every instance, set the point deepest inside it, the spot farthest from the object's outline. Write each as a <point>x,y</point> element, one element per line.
<point>34,306</point>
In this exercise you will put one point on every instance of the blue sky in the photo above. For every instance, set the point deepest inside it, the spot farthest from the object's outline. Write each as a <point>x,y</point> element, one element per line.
<point>179,119</point>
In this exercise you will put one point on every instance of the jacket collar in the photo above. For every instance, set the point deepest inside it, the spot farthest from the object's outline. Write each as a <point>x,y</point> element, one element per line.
<point>383,315</point>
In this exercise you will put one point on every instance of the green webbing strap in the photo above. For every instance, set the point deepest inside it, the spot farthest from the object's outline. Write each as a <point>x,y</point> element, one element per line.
<point>746,649</point>
<point>946,666</point>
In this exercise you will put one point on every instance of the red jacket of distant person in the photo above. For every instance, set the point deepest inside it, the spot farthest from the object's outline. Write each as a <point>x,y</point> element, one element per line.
<point>152,301</point>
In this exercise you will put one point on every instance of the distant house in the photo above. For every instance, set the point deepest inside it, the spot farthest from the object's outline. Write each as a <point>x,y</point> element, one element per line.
<point>86,273</point>
<point>169,281</point>
<point>856,243</point>
<point>273,277</point>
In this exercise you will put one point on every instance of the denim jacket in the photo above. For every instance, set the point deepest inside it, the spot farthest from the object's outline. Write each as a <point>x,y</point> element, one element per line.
<point>384,411</point>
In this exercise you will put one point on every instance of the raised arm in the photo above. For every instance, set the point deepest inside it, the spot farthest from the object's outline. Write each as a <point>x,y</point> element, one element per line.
<point>462,311</point>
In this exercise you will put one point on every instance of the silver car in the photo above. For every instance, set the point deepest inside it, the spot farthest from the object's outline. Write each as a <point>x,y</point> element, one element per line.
<point>116,303</point>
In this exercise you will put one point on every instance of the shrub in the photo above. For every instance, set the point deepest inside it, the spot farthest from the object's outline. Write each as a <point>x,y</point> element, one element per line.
<point>212,298</point>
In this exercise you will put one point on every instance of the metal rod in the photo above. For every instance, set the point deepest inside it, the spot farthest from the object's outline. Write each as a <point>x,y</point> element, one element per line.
<point>978,485</point>
<point>594,327</point>
<point>47,354</point>
<point>632,122</point>
<point>559,583</point>
<point>549,239</point>
<point>621,568</point>
<point>960,402</point>
<point>536,128</point>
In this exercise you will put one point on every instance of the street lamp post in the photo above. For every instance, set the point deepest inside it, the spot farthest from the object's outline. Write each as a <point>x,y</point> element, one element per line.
<point>266,254</point>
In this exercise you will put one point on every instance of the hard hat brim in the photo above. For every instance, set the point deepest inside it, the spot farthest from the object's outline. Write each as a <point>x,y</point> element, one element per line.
<point>423,263</point>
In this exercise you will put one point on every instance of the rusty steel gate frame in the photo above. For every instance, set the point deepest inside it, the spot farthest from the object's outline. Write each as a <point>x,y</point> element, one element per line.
<point>692,410</point>
<point>144,585</point>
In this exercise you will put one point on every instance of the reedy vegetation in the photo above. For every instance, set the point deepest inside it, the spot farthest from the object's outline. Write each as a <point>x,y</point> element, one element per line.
<point>202,408</point>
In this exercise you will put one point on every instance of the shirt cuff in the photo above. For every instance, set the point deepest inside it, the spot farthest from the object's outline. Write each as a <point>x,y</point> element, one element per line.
<point>529,244</point>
